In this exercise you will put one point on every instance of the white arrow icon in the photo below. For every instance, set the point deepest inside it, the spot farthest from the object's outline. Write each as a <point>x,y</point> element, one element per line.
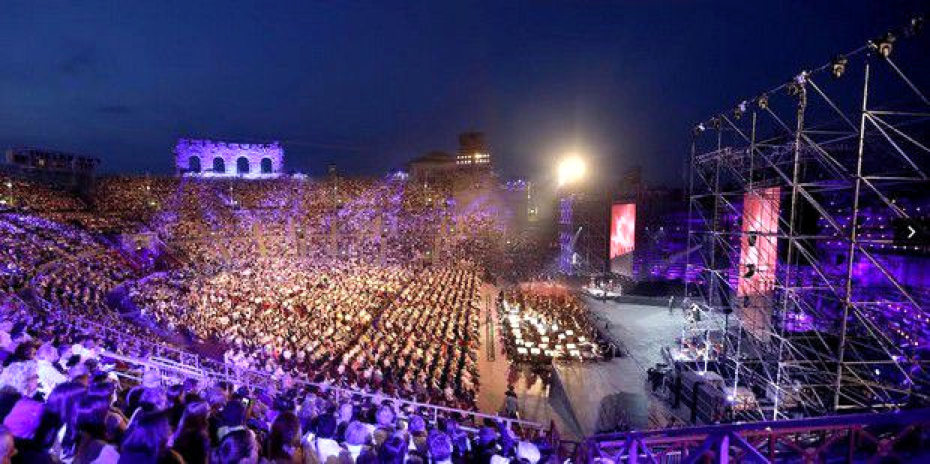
<point>912,231</point>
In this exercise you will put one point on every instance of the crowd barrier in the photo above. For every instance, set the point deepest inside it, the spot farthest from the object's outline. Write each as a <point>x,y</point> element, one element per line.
<point>900,436</point>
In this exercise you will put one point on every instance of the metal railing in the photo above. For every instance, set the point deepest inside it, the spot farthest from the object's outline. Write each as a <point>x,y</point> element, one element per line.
<point>175,371</point>
<point>873,437</point>
<point>121,338</point>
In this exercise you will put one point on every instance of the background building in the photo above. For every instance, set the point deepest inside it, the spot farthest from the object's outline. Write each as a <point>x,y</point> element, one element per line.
<point>207,158</point>
<point>432,167</point>
<point>57,168</point>
<point>473,152</point>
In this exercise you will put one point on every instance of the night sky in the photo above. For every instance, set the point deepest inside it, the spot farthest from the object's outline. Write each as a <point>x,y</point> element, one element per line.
<point>370,85</point>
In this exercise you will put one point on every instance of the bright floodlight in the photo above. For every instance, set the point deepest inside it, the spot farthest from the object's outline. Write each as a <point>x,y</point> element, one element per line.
<point>571,170</point>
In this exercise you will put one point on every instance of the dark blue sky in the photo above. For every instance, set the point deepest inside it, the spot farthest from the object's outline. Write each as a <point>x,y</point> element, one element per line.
<point>369,85</point>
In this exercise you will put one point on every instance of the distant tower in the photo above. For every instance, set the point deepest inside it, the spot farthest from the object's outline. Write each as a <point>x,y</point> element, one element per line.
<point>473,152</point>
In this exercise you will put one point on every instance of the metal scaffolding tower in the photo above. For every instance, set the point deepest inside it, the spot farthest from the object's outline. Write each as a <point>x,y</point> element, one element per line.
<point>806,208</point>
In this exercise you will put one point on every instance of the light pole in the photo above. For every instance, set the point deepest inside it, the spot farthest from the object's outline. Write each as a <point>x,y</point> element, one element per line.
<point>570,171</point>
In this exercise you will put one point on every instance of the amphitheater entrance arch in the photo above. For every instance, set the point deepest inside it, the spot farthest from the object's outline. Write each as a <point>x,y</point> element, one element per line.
<point>266,166</point>
<point>242,165</point>
<point>193,164</point>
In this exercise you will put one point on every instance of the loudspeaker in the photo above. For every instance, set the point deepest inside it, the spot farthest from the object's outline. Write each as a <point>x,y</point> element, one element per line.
<point>805,225</point>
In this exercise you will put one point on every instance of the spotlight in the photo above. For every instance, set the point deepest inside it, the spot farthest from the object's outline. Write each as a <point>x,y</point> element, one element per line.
<point>571,170</point>
<point>884,44</point>
<point>839,66</point>
<point>914,27</point>
<point>763,101</point>
<point>739,110</point>
<point>796,86</point>
<point>715,123</point>
<point>801,78</point>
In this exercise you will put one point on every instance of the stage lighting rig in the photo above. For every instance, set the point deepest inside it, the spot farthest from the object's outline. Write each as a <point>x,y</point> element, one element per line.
<point>796,86</point>
<point>698,129</point>
<point>914,26</point>
<point>763,101</point>
<point>740,109</point>
<point>884,45</point>
<point>838,67</point>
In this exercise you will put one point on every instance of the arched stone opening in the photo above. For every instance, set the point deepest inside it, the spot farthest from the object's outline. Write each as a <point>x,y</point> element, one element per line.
<point>242,165</point>
<point>266,166</point>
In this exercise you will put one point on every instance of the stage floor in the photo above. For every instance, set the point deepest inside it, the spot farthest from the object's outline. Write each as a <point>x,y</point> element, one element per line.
<point>642,329</point>
<point>599,395</point>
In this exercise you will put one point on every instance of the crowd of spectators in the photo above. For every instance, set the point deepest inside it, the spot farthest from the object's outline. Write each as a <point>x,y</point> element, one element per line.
<point>377,328</point>
<point>65,398</point>
<point>29,243</point>
<point>329,278</point>
<point>34,196</point>
<point>371,286</point>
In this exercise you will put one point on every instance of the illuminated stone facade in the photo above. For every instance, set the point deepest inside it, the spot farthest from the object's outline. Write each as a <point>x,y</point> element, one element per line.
<point>208,158</point>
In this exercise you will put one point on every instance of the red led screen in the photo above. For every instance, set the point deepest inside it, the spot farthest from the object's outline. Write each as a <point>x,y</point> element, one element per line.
<point>758,258</point>
<point>759,245</point>
<point>622,229</point>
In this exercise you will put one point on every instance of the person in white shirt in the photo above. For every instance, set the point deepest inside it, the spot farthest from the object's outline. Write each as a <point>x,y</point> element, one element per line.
<point>6,341</point>
<point>528,452</point>
<point>21,376</point>
<point>49,375</point>
<point>323,443</point>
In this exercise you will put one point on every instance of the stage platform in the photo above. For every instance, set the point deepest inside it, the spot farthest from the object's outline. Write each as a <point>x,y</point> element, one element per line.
<point>596,397</point>
<point>599,293</point>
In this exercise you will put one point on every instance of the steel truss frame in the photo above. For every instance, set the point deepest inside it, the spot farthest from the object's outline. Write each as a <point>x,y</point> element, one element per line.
<point>898,437</point>
<point>845,146</point>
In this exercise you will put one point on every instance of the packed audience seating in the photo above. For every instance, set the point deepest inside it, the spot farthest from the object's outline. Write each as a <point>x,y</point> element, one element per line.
<point>66,396</point>
<point>397,331</point>
<point>33,196</point>
<point>28,243</point>
<point>371,285</point>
